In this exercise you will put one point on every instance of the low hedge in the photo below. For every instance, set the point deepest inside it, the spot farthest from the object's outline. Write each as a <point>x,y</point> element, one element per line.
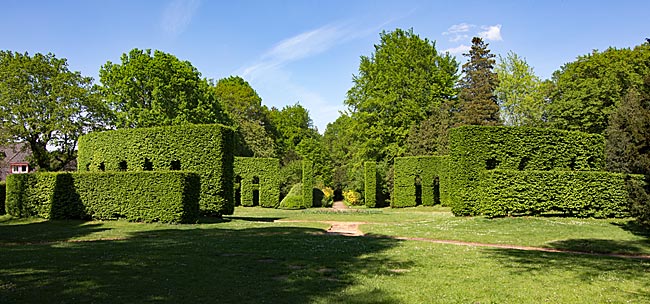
<point>170,197</point>
<point>264,171</point>
<point>581,194</point>
<point>205,149</point>
<point>307,183</point>
<point>428,169</point>
<point>294,199</point>
<point>3,196</point>
<point>370,184</point>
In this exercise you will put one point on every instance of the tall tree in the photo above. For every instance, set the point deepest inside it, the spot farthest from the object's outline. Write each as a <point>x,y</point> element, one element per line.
<point>397,86</point>
<point>431,137</point>
<point>46,105</point>
<point>590,88</point>
<point>477,102</point>
<point>148,90</point>
<point>520,92</point>
<point>293,125</point>
<point>255,133</point>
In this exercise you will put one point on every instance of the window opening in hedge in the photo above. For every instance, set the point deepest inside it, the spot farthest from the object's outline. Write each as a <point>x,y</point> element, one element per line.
<point>175,165</point>
<point>88,167</point>
<point>256,197</point>
<point>122,165</point>
<point>238,190</point>
<point>418,190</point>
<point>491,163</point>
<point>102,167</point>
<point>148,165</point>
<point>523,163</point>
<point>436,190</point>
<point>256,180</point>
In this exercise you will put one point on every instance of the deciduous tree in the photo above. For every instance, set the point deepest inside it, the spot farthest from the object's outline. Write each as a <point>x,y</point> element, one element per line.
<point>520,93</point>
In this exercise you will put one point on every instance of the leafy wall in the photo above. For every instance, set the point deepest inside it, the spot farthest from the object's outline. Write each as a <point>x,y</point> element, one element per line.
<point>258,174</point>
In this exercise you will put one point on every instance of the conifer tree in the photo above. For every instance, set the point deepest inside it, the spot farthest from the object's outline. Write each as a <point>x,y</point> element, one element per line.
<point>477,101</point>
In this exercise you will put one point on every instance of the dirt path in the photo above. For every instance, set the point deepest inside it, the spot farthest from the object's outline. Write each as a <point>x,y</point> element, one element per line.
<point>339,205</point>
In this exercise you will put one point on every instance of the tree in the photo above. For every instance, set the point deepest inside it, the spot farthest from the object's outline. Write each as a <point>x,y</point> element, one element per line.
<point>589,89</point>
<point>519,93</point>
<point>46,105</point>
<point>397,86</point>
<point>431,137</point>
<point>158,90</point>
<point>477,102</point>
<point>255,133</point>
<point>293,125</point>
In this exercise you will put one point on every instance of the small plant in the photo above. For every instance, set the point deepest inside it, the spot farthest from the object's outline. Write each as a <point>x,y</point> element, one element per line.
<point>328,197</point>
<point>352,198</point>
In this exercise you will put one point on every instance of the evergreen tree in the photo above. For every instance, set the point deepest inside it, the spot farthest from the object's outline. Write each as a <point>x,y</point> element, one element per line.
<point>477,101</point>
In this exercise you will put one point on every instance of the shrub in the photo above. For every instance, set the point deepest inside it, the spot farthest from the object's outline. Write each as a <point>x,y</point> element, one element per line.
<point>307,183</point>
<point>293,200</point>
<point>3,196</point>
<point>290,175</point>
<point>328,197</point>
<point>204,149</point>
<point>582,194</point>
<point>258,174</point>
<point>431,172</point>
<point>137,196</point>
<point>352,198</point>
<point>370,184</point>
<point>638,188</point>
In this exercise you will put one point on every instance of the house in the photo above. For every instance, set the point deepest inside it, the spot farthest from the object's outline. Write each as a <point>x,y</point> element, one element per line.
<point>13,160</point>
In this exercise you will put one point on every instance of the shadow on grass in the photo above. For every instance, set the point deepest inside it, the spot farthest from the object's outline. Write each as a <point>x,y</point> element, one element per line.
<point>18,231</point>
<point>196,265</point>
<point>639,247</point>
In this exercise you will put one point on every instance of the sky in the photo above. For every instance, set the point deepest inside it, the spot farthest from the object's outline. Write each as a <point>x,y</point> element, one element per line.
<point>305,51</point>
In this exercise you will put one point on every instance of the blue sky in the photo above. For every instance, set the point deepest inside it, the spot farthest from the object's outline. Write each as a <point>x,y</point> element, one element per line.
<point>307,51</point>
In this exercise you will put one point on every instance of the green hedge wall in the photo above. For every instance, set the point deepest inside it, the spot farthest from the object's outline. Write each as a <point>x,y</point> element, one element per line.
<point>137,196</point>
<point>307,183</point>
<point>266,171</point>
<point>370,184</point>
<point>204,149</point>
<point>3,196</point>
<point>474,149</point>
<point>429,169</point>
<point>581,194</point>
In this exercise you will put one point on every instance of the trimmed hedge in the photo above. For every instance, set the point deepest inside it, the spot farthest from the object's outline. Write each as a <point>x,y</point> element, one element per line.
<point>581,194</point>
<point>204,149</point>
<point>137,196</point>
<point>264,171</point>
<point>370,184</point>
<point>3,196</point>
<point>428,169</point>
<point>474,149</point>
<point>307,183</point>
<point>293,200</point>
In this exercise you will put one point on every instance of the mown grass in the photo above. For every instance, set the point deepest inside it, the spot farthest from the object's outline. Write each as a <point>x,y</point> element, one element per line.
<point>248,258</point>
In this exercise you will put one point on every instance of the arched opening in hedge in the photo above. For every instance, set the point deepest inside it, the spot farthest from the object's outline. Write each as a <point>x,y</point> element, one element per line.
<point>175,165</point>
<point>148,165</point>
<point>418,190</point>
<point>122,166</point>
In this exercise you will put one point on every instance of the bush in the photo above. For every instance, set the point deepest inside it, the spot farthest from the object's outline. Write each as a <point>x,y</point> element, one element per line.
<point>328,197</point>
<point>136,196</point>
<point>581,194</point>
<point>293,200</point>
<point>290,175</point>
<point>204,149</point>
<point>370,184</point>
<point>431,172</point>
<point>3,196</point>
<point>352,198</point>
<point>638,188</point>
<point>264,171</point>
<point>307,183</point>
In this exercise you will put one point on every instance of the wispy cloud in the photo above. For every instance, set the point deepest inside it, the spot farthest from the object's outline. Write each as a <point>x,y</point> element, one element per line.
<point>458,50</point>
<point>492,32</point>
<point>458,32</point>
<point>177,15</point>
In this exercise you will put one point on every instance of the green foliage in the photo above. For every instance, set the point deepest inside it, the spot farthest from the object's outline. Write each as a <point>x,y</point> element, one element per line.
<point>638,189</point>
<point>3,197</point>
<point>370,189</point>
<point>328,197</point>
<point>520,92</point>
<point>293,125</point>
<point>628,134</point>
<point>475,149</point>
<point>352,198</point>
<point>148,90</point>
<point>582,194</point>
<point>477,102</point>
<point>294,199</point>
<point>290,174</point>
<point>420,180</point>
<point>396,87</point>
<point>589,89</point>
<point>204,149</point>
<point>136,196</point>
<point>339,143</point>
<point>307,183</point>
<point>431,136</point>
<point>264,171</point>
<point>46,105</point>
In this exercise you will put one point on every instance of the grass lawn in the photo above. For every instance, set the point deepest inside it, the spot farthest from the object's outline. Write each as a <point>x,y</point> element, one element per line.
<point>248,258</point>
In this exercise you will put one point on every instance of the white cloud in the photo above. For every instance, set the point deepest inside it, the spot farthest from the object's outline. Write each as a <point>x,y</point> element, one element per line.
<point>458,50</point>
<point>458,28</point>
<point>178,15</point>
<point>492,32</point>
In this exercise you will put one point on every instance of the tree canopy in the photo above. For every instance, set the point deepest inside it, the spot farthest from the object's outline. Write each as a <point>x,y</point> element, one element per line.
<point>46,105</point>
